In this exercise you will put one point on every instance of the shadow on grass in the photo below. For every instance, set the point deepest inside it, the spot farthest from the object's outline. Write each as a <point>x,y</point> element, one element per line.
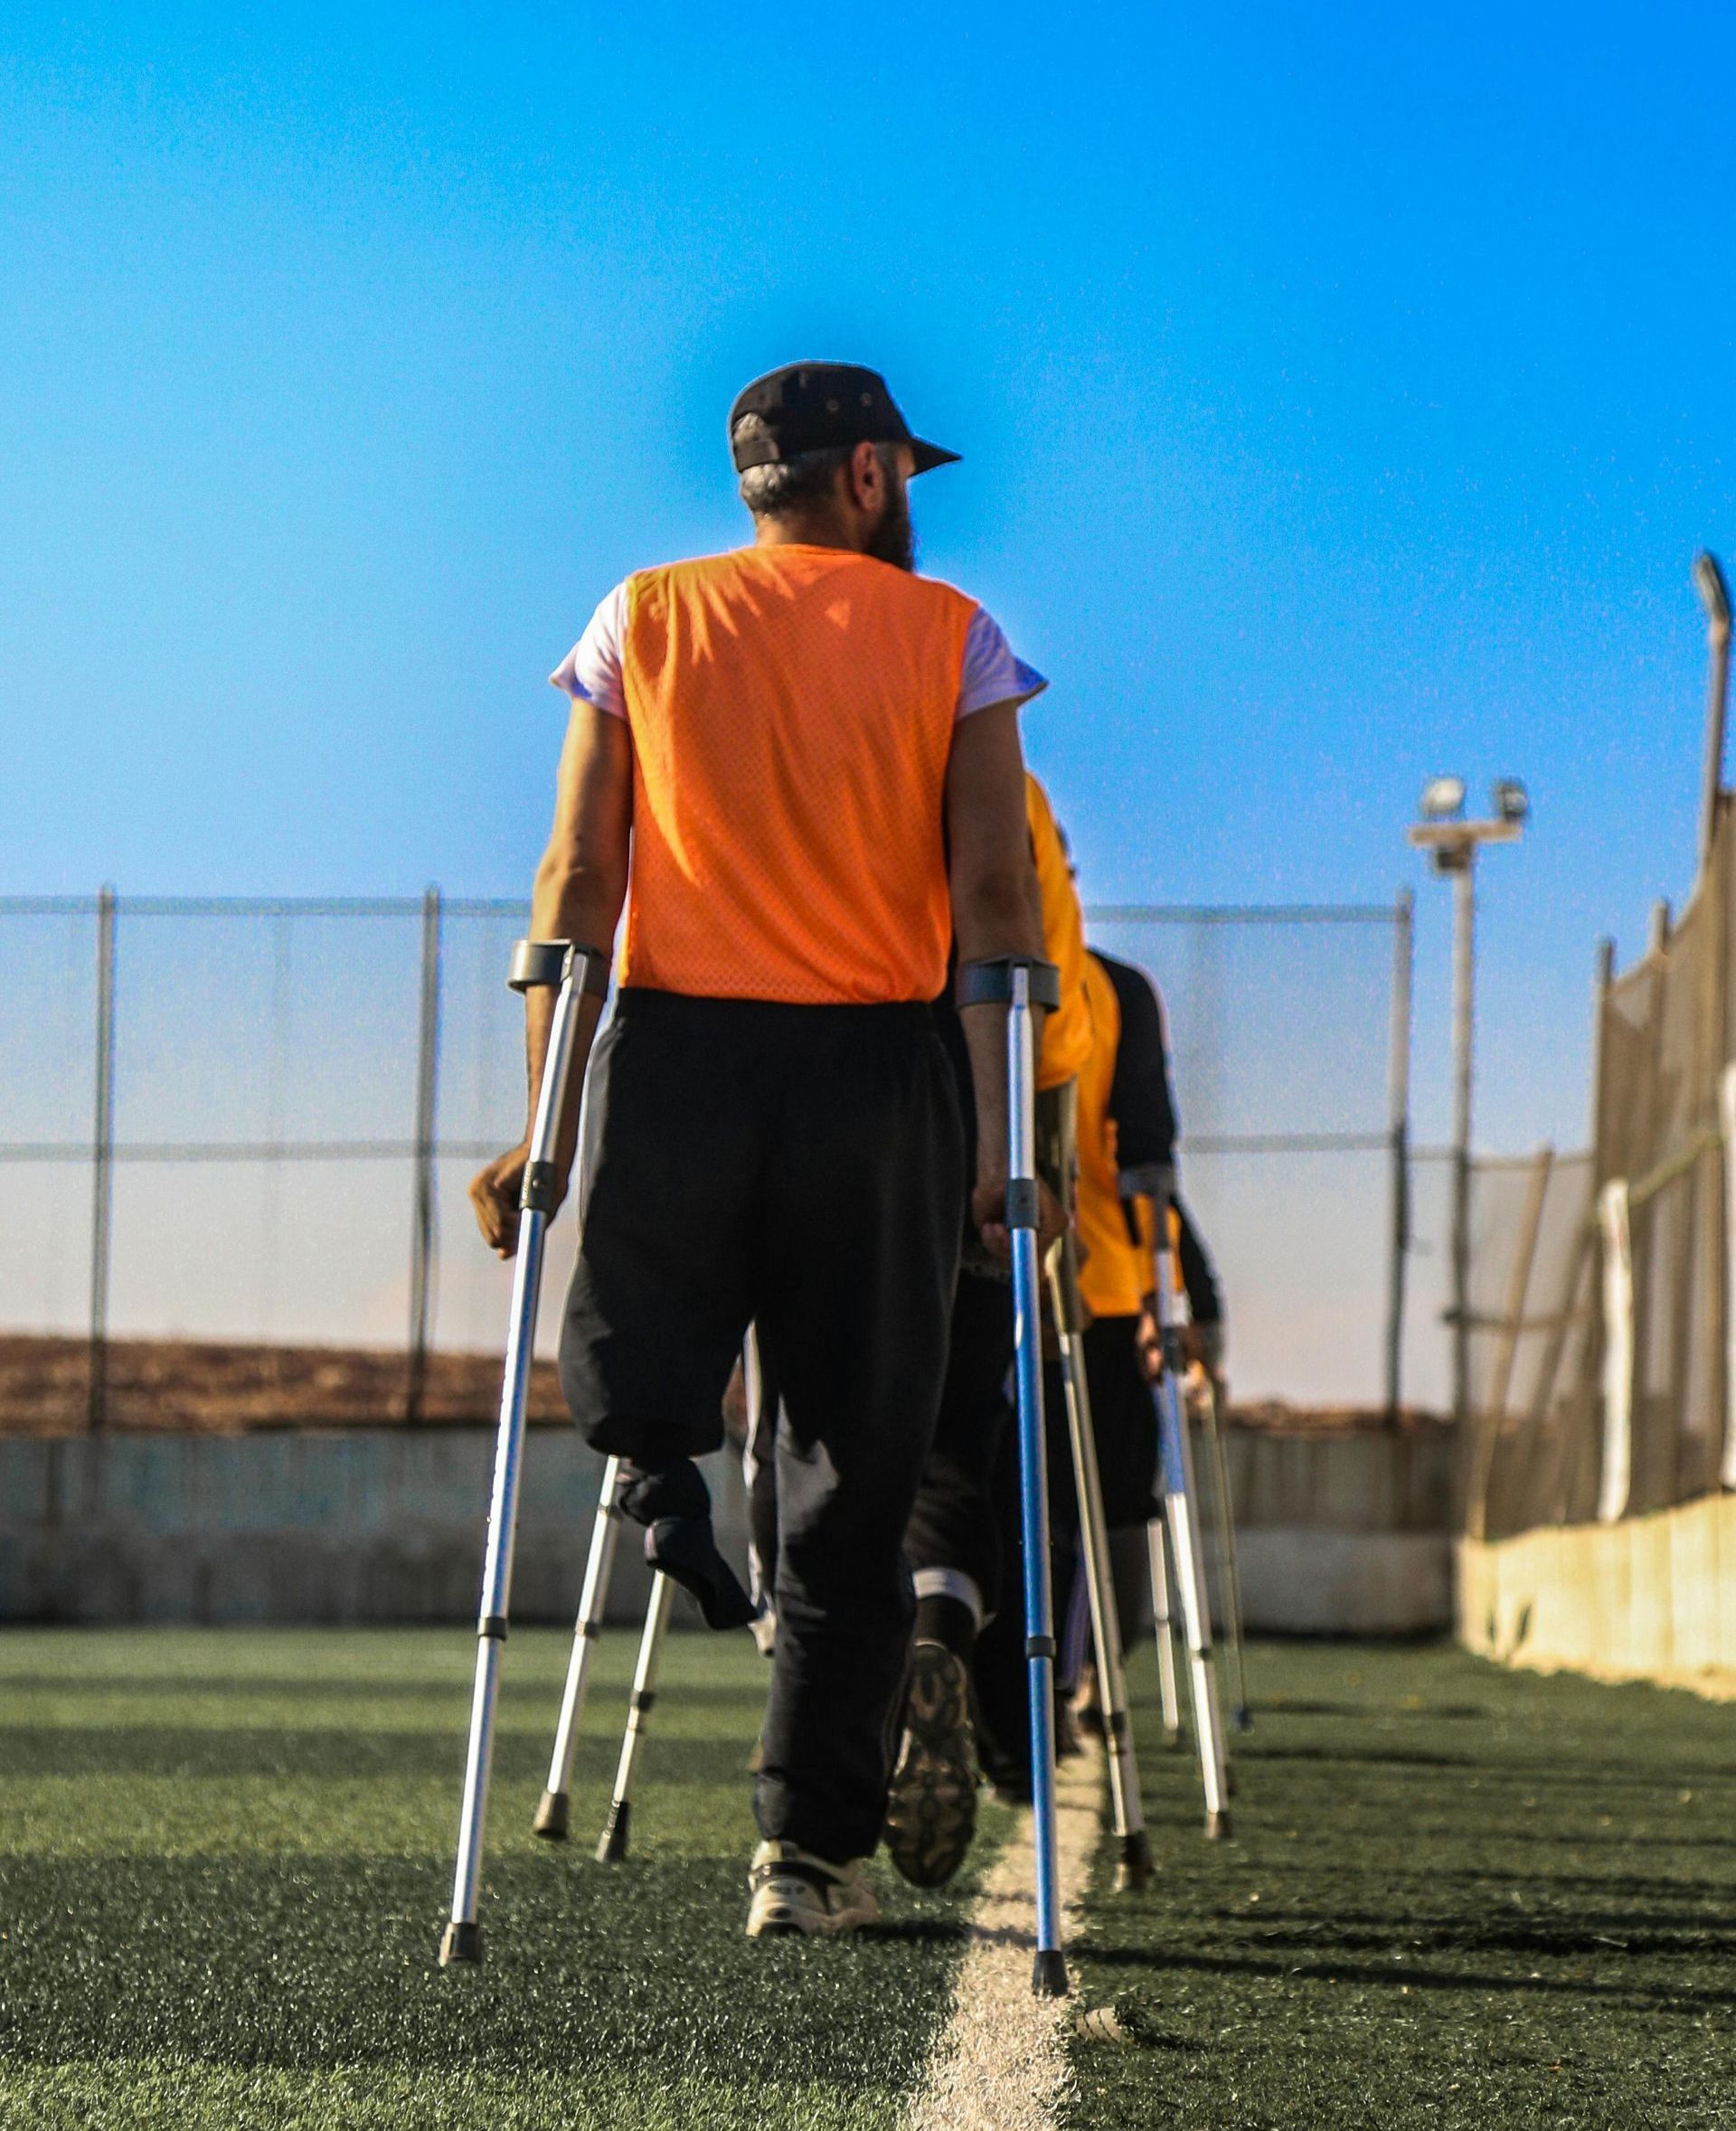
<point>1390,1975</point>
<point>319,1961</point>
<point>236,1751</point>
<point>342,1687</point>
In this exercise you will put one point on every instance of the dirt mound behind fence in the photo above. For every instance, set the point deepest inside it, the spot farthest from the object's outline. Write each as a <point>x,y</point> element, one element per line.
<point>212,1387</point>
<point>215,1387</point>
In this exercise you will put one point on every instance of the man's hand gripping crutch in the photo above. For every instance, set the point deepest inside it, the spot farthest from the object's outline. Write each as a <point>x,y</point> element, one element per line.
<point>575,978</point>
<point>1181,1497</point>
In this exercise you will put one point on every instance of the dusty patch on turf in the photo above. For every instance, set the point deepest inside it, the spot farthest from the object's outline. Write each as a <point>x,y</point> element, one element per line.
<point>1001,2064</point>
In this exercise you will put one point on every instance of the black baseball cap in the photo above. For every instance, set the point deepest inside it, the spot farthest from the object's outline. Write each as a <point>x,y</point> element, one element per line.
<point>814,405</point>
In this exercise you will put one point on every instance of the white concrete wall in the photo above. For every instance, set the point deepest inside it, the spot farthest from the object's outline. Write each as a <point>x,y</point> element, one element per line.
<point>1649,1597</point>
<point>1344,1534</point>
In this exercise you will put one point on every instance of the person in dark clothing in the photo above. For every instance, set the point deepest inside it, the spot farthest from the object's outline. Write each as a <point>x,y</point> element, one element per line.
<point>1126,1118</point>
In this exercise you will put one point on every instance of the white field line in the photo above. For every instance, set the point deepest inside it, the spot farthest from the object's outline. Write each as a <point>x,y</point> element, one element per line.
<point>1001,2064</point>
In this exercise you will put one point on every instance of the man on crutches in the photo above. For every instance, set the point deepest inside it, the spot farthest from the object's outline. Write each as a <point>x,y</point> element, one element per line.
<point>1204,1345</point>
<point>963,1531</point>
<point>1150,1187</point>
<point>1130,1122</point>
<point>804,758</point>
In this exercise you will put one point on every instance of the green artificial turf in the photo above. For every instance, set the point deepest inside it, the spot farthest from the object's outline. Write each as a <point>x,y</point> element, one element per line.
<point>225,1859</point>
<point>1458,1897</point>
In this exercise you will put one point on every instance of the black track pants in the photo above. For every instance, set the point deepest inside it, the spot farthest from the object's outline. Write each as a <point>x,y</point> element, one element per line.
<point>1124,1424</point>
<point>801,1168</point>
<point>953,1525</point>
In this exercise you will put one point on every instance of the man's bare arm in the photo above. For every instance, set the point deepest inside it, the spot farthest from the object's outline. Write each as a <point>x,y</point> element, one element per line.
<point>995,910</point>
<point>579,889</point>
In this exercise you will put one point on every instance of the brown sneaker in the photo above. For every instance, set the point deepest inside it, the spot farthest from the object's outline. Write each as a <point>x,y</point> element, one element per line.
<point>931,1802</point>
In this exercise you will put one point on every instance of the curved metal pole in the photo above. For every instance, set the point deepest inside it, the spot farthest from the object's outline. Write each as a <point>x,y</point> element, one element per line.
<point>1163,1625</point>
<point>1181,1500</point>
<point>1714,595</point>
<point>1133,1863</point>
<point>1228,1570</point>
<point>462,1939</point>
<point>1049,1974</point>
<point>612,1845</point>
<point>552,1813</point>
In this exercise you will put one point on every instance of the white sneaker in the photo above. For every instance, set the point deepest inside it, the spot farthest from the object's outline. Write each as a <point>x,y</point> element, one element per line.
<point>799,1895</point>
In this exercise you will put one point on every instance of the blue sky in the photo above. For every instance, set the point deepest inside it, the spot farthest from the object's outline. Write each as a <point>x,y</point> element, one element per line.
<point>1344,393</point>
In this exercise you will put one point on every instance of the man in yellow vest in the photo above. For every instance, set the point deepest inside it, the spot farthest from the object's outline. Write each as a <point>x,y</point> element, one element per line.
<point>964,1525</point>
<point>1126,1122</point>
<point>797,766</point>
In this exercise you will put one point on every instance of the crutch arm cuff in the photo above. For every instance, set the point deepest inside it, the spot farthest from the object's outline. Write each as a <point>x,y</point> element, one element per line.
<point>541,965</point>
<point>989,983</point>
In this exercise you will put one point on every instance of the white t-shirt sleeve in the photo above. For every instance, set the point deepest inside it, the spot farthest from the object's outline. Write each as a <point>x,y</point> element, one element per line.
<point>993,674</point>
<point>591,669</point>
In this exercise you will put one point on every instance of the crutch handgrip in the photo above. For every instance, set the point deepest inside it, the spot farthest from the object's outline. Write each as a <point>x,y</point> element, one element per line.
<point>537,1193</point>
<point>989,983</point>
<point>544,965</point>
<point>1155,1181</point>
<point>1022,1207</point>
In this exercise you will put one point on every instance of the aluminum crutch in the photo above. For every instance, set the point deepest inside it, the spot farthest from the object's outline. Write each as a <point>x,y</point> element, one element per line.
<point>1181,1505</point>
<point>611,1846</point>
<point>1133,1861</point>
<point>1164,1627</point>
<point>551,1815</point>
<point>573,973</point>
<point>1021,983</point>
<point>1229,1569</point>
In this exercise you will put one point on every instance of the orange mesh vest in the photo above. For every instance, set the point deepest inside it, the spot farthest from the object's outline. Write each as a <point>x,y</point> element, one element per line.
<point>1114,1276</point>
<point>1067,1031</point>
<point>792,713</point>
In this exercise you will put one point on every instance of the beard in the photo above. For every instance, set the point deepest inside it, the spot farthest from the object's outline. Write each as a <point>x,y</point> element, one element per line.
<point>894,540</point>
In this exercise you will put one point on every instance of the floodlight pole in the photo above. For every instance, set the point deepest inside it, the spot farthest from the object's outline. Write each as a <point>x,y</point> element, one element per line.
<point>1463,1038</point>
<point>1714,597</point>
<point>1454,845</point>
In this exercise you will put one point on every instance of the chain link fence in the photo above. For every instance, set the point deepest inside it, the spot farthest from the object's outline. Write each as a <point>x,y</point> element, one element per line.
<point>1289,1037</point>
<point>1602,1312</point>
<point>237,1137</point>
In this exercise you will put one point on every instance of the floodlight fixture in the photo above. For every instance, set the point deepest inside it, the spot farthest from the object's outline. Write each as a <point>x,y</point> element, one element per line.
<point>1443,799</point>
<point>1510,800</point>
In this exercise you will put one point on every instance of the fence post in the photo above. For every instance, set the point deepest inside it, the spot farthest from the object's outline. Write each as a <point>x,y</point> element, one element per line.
<point>422,1226</point>
<point>1617,1475</point>
<point>1398,1110</point>
<point>1727,1118</point>
<point>1493,1411</point>
<point>103,1164</point>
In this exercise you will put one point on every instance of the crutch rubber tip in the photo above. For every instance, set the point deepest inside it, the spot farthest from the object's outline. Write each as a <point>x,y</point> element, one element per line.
<point>551,1822</point>
<point>1217,1827</point>
<point>1172,1740</point>
<point>1133,1867</point>
<point>612,1847</point>
<point>1049,1975</point>
<point>460,1942</point>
